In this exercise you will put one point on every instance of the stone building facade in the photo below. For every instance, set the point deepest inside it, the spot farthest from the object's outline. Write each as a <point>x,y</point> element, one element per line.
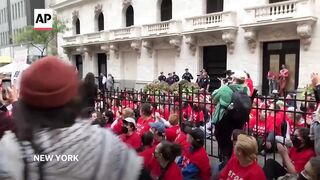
<point>135,40</point>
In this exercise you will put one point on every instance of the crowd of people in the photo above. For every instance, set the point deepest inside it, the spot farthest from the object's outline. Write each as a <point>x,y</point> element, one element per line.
<point>53,113</point>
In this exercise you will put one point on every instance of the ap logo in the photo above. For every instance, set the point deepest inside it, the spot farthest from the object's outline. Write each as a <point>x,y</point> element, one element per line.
<point>43,19</point>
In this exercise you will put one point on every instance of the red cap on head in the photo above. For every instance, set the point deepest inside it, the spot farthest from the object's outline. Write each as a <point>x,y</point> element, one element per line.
<point>49,83</point>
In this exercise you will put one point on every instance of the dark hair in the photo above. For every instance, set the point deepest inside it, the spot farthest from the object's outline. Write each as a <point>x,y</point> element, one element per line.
<point>248,75</point>
<point>109,114</point>
<point>146,109</point>
<point>89,79</point>
<point>239,81</point>
<point>197,144</point>
<point>147,138</point>
<point>304,133</point>
<point>88,91</point>
<point>169,151</point>
<point>186,125</point>
<point>130,124</point>
<point>28,118</point>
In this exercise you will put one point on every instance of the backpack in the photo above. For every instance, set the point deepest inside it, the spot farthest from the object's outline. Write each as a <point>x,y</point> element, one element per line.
<point>239,109</point>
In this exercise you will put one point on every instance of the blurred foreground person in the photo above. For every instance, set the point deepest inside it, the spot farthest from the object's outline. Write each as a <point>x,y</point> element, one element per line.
<point>46,116</point>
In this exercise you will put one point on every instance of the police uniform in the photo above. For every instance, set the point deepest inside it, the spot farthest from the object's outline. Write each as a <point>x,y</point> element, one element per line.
<point>204,82</point>
<point>187,76</point>
<point>176,78</point>
<point>162,77</point>
<point>170,80</point>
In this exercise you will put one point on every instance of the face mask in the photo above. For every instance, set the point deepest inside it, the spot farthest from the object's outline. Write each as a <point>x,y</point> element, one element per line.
<point>296,142</point>
<point>124,130</point>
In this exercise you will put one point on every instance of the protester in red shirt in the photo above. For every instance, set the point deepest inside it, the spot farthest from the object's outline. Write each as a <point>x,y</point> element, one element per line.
<point>174,129</point>
<point>116,126</point>
<point>129,136</point>
<point>197,116</point>
<point>194,163</point>
<point>147,148</point>
<point>146,118</point>
<point>293,159</point>
<point>249,83</point>
<point>158,129</point>
<point>164,166</point>
<point>243,165</point>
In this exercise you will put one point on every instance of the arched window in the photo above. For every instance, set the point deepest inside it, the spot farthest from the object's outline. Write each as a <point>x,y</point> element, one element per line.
<point>166,10</point>
<point>129,16</point>
<point>214,6</point>
<point>77,26</point>
<point>100,22</point>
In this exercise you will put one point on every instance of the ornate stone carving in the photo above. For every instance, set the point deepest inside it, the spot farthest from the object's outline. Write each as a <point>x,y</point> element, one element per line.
<point>98,9</point>
<point>304,30</point>
<point>105,48</point>
<point>115,50</point>
<point>175,42</point>
<point>85,52</point>
<point>75,15</point>
<point>251,37</point>
<point>229,38</point>
<point>136,46</point>
<point>191,42</point>
<point>126,2</point>
<point>68,52</point>
<point>148,46</point>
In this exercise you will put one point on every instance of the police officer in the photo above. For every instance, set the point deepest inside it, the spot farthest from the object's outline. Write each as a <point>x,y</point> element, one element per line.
<point>162,77</point>
<point>205,81</point>
<point>187,76</point>
<point>175,77</point>
<point>170,79</point>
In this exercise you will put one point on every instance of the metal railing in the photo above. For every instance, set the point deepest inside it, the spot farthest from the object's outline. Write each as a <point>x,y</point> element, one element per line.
<point>197,107</point>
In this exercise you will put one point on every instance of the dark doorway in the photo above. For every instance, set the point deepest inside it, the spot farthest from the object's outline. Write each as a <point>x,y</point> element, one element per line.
<point>277,53</point>
<point>215,63</point>
<point>214,6</point>
<point>77,26</point>
<point>102,63</point>
<point>79,65</point>
<point>129,16</point>
<point>166,10</point>
<point>100,22</point>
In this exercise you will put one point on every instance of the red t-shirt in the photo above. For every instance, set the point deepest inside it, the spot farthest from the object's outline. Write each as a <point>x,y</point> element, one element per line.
<point>147,155</point>
<point>186,112</point>
<point>143,125</point>
<point>182,140</point>
<point>234,170</point>
<point>172,133</point>
<point>300,159</point>
<point>197,117</point>
<point>172,173</point>
<point>275,121</point>
<point>249,83</point>
<point>200,159</point>
<point>292,127</point>
<point>117,128</point>
<point>260,127</point>
<point>133,141</point>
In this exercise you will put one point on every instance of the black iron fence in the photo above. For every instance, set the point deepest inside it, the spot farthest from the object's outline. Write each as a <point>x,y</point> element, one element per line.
<point>273,119</point>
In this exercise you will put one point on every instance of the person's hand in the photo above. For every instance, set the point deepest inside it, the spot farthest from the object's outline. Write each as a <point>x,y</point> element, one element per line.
<point>282,150</point>
<point>315,79</point>
<point>157,116</point>
<point>13,94</point>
